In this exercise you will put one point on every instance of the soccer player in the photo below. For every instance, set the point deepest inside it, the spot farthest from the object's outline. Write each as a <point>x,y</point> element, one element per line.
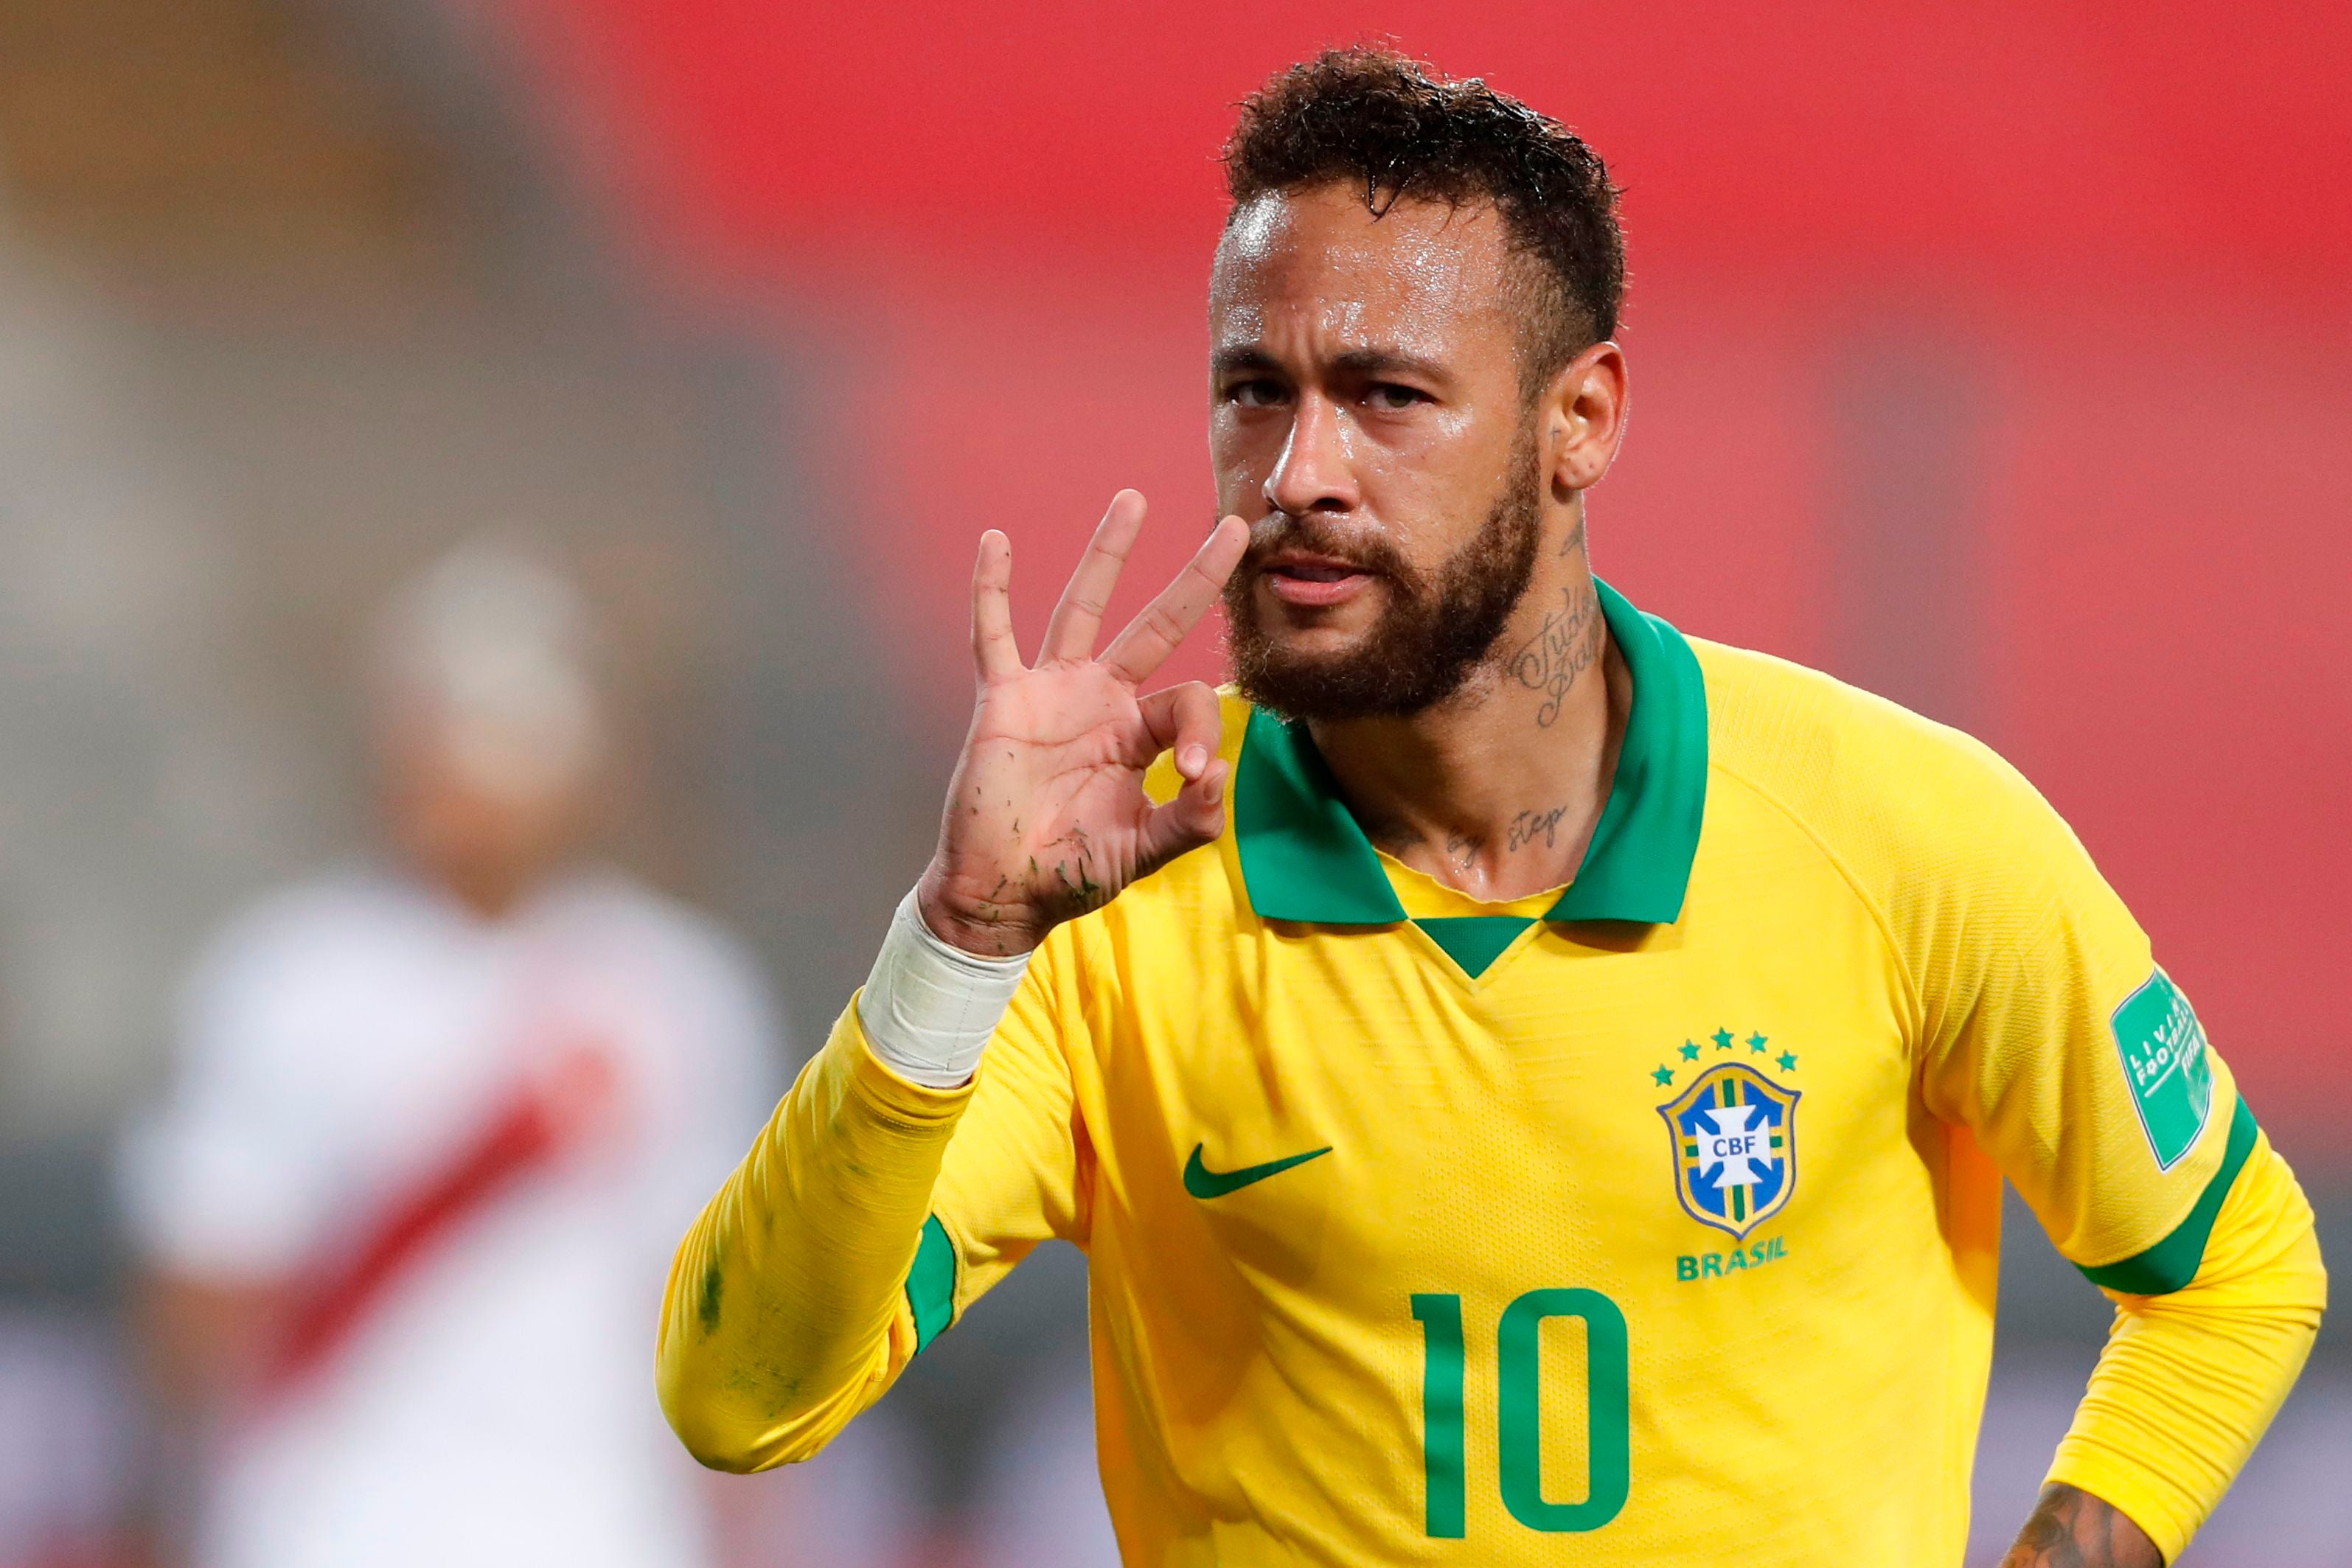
<point>432,1126</point>
<point>1532,1086</point>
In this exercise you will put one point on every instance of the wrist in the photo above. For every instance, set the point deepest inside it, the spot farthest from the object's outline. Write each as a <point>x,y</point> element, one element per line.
<point>979,926</point>
<point>929,1009</point>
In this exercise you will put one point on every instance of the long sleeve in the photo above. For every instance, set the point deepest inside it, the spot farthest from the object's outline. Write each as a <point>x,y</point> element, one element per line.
<point>868,1214</point>
<point>2190,1378</point>
<point>2080,1067</point>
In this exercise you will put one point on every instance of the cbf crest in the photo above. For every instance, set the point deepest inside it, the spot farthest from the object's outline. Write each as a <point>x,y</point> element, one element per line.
<point>1734,1144</point>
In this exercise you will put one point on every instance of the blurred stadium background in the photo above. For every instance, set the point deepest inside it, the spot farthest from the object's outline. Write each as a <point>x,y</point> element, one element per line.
<point>1997,356</point>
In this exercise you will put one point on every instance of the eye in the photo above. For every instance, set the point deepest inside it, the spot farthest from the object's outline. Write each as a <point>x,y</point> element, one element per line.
<point>1392,397</point>
<point>1259,393</point>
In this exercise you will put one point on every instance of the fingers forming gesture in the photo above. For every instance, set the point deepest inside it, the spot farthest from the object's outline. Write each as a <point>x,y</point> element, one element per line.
<point>1047,817</point>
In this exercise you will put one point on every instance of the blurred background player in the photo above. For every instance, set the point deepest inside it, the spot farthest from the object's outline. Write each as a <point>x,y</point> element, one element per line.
<point>405,1204</point>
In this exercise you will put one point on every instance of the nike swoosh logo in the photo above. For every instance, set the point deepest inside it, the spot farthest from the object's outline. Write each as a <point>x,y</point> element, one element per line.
<point>1202,1182</point>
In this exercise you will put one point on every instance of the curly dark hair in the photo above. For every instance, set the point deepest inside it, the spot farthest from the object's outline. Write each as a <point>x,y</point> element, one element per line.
<point>1374,118</point>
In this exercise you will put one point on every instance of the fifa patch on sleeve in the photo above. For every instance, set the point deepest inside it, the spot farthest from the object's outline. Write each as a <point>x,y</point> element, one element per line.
<point>2165,1065</point>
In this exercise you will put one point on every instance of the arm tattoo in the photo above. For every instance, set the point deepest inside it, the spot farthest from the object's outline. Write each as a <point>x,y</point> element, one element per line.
<point>2072,1529</point>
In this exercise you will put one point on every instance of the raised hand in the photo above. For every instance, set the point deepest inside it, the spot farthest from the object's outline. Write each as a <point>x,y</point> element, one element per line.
<point>1047,818</point>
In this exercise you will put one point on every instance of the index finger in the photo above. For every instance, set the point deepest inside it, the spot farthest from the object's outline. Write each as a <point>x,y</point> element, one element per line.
<point>1164,622</point>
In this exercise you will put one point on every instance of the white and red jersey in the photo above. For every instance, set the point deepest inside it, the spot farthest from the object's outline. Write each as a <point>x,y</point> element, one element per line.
<point>466,1148</point>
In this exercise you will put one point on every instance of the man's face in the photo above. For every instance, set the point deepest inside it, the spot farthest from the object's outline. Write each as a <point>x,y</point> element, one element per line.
<point>485,813</point>
<point>1367,420</point>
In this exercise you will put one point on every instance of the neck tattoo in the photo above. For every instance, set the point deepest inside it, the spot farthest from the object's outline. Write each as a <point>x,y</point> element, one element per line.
<point>1563,648</point>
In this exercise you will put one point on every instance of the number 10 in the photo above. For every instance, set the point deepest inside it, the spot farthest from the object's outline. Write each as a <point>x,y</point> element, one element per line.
<point>1518,1411</point>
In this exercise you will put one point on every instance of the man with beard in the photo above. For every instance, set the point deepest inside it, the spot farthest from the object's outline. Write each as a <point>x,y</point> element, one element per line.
<point>1532,1087</point>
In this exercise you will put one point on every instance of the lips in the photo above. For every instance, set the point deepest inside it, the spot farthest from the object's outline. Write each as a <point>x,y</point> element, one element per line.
<point>1301,578</point>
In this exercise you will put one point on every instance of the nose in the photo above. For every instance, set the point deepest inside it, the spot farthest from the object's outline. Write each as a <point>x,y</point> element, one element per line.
<point>1313,474</point>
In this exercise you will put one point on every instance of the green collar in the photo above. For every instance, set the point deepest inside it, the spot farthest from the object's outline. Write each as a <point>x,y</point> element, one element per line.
<point>1304,858</point>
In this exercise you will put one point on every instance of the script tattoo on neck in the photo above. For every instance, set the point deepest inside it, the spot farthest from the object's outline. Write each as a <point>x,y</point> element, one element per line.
<point>1563,648</point>
<point>1529,826</point>
<point>1462,851</point>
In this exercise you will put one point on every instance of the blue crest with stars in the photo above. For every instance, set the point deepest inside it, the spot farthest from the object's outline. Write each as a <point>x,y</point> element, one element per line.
<point>1735,1146</point>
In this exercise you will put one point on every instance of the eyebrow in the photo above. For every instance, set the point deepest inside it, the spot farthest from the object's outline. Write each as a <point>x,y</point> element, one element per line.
<point>1376,361</point>
<point>1227,361</point>
<point>1355,361</point>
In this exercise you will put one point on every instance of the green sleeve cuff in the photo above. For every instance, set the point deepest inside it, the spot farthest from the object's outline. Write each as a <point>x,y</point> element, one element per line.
<point>2172,1262</point>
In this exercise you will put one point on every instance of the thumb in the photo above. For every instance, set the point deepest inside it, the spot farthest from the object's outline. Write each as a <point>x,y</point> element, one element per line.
<point>1195,817</point>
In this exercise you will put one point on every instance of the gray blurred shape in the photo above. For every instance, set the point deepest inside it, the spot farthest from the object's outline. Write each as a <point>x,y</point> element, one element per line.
<point>1901,527</point>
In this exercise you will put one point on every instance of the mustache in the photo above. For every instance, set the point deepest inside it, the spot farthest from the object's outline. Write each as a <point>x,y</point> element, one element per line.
<point>1314,533</point>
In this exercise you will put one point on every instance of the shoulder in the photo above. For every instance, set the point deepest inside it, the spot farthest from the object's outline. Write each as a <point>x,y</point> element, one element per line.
<point>297,966</point>
<point>686,947</point>
<point>1897,798</point>
<point>315,931</point>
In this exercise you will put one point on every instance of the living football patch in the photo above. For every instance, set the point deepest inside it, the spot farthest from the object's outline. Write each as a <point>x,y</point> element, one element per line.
<point>2165,1066</point>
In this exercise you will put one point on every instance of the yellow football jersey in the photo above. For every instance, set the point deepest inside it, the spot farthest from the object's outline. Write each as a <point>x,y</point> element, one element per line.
<point>1652,1221</point>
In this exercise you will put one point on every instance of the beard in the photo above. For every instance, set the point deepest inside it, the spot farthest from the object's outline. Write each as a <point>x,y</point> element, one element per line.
<point>1435,630</point>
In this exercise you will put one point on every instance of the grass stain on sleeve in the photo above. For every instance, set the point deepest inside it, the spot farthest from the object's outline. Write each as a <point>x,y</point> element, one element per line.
<point>714,1285</point>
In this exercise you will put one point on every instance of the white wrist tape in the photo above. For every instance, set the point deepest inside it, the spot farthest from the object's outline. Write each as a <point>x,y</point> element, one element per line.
<point>929,1008</point>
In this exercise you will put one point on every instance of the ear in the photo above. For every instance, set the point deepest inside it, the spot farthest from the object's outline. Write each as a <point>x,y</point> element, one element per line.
<point>1584,417</point>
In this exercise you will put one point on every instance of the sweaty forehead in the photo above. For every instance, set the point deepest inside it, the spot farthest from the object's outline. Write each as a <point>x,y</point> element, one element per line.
<point>1319,260</point>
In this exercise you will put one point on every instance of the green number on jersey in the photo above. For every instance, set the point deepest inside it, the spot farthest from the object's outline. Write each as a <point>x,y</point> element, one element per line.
<point>1607,1403</point>
<point>1441,1411</point>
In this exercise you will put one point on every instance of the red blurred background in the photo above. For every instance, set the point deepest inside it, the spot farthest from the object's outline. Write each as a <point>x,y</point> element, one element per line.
<point>1998,356</point>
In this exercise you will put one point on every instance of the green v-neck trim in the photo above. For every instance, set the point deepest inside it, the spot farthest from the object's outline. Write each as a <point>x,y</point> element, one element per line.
<point>1474,941</point>
<point>1304,858</point>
